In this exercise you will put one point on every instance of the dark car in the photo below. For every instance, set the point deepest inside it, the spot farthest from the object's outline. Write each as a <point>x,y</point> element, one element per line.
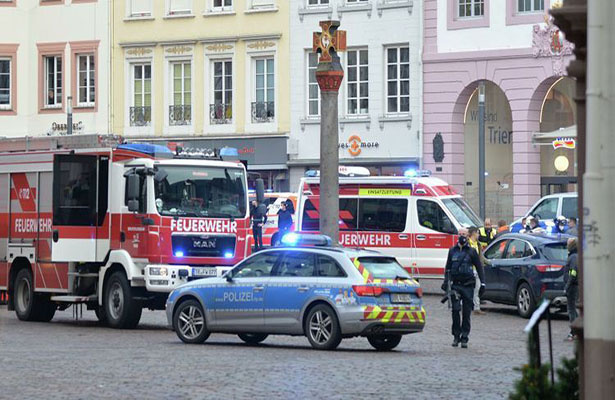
<point>521,269</point>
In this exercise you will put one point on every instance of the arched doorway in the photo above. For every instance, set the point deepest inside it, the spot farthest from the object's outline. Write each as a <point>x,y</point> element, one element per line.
<point>558,161</point>
<point>498,153</point>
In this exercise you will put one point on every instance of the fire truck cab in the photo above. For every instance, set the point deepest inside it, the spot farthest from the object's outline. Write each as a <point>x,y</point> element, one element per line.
<point>92,220</point>
<point>415,219</point>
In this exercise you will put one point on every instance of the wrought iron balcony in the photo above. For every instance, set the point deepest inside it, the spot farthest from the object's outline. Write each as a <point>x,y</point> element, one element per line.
<point>263,111</point>
<point>180,115</point>
<point>220,113</point>
<point>140,116</point>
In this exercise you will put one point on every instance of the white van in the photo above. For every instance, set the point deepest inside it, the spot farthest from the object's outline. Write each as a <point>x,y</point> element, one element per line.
<point>550,207</point>
<point>414,219</point>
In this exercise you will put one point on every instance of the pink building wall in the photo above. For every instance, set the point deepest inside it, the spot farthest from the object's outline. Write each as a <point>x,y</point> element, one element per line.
<point>524,75</point>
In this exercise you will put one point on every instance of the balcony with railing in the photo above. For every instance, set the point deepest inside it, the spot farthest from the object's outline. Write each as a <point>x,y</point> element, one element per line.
<point>180,115</point>
<point>263,112</point>
<point>220,113</point>
<point>140,116</point>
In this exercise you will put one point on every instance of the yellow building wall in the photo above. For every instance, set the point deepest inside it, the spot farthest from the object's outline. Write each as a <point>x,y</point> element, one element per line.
<point>241,26</point>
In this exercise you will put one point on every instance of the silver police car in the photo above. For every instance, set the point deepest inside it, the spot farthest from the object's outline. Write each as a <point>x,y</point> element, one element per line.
<point>325,293</point>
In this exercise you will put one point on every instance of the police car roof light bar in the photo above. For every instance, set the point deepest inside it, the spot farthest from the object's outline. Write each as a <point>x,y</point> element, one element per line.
<point>301,239</point>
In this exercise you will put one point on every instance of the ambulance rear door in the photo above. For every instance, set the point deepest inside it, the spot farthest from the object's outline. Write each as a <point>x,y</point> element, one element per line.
<point>433,235</point>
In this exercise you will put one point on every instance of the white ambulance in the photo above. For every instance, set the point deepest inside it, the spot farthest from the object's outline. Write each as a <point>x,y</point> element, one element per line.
<point>416,219</point>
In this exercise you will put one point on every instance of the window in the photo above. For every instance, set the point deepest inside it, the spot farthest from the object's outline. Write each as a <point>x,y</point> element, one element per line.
<point>297,263</point>
<point>179,7</point>
<point>180,110</point>
<point>356,1</point>
<point>263,3</point>
<point>569,207</point>
<point>471,8</point>
<point>5,83</point>
<point>313,88</point>
<point>556,251</point>
<point>140,8</point>
<point>529,6</point>
<point>357,86</point>
<point>348,215</point>
<point>141,109</point>
<point>316,3</point>
<point>221,111</point>
<point>383,215</point>
<point>328,267</point>
<point>383,267</point>
<point>398,80</point>
<point>222,5</point>
<point>431,216</point>
<point>547,209</point>
<point>462,212</point>
<point>86,94</point>
<point>74,190</point>
<point>496,251</point>
<point>53,81</point>
<point>260,265</point>
<point>518,249</point>
<point>263,108</point>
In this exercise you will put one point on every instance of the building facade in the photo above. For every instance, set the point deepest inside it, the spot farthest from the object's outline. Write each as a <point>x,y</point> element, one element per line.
<point>205,73</point>
<point>43,69</point>
<point>513,48</point>
<point>380,104</point>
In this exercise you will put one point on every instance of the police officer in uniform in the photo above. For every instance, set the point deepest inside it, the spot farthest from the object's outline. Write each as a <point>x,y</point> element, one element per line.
<point>460,272</point>
<point>259,218</point>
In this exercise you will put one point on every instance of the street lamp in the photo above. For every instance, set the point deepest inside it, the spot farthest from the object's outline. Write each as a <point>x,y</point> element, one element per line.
<point>481,148</point>
<point>69,115</point>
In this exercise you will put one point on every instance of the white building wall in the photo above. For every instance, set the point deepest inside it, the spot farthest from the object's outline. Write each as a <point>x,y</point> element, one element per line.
<point>29,23</point>
<point>398,137</point>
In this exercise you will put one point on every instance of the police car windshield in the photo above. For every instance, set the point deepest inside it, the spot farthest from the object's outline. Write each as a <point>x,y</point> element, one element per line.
<point>462,212</point>
<point>208,192</point>
<point>384,268</point>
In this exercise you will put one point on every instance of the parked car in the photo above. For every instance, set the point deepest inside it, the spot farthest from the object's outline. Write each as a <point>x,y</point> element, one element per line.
<point>520,269</point>
<point>550,207</point>
<point>325,293</point>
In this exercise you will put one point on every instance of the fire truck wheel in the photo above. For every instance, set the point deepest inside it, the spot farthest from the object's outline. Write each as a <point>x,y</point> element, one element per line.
<point>101,314</point>
<point>189,322</point>
<point>121,309</point>
<point>24,296</point>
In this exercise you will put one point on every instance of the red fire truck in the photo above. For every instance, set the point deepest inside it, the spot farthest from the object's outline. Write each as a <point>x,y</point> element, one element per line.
<point>92,220</point>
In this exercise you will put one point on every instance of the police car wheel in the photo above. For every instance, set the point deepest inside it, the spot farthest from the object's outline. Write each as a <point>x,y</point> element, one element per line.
<point>189,322</point>
<point>322,328</point>
<point>253,338</point>
<point>384,342</point>
<point>525,301</point>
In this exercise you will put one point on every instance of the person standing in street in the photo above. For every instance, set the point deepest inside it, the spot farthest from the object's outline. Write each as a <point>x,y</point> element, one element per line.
<point>473,242</point>
<point>502,229</point>
<point>459,271</point>
<point>572,283</point>
<point>285,220</point>
<point>572,227</point>
<point>486,233</point>
<point>258,212</point>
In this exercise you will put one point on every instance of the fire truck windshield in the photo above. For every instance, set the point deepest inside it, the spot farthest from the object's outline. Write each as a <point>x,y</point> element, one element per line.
<point>207,192</point>
<point>462,212</point>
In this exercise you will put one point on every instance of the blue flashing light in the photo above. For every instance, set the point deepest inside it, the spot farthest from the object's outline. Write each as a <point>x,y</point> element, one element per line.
<point>290,239</point>
<point>179,253</point>
<point>153,150</point>
<point>413,173</point>
<point>410,173</point>
<point>228,254</point>
<point>312,173</point>
<point>229,152</point>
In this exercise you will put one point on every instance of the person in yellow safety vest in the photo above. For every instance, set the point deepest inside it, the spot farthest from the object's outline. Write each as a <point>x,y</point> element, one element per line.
<point>473,242</point>
<point>486,233</point>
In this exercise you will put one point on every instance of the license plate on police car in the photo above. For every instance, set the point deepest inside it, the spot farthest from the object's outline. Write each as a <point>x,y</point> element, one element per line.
<point>204,271</point>
<point>401,298</point>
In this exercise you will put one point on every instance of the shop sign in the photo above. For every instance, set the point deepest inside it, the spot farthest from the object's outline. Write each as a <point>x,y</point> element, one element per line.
<point>564,143</point>
<point>355,145</point>
<point>62,128</point>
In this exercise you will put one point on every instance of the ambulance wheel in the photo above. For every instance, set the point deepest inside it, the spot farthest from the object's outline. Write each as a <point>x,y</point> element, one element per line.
<point>253,338</point>
<point>189,322</point>
<point>121,309</point>
<point>384,342</point>
<point>322,328</point>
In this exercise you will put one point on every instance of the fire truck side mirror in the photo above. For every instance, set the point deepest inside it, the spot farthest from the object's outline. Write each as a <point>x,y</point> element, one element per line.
<point>132,188</point>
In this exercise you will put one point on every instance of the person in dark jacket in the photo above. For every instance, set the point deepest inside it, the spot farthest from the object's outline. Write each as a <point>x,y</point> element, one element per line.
<point>572,283</point>
<point>460,264</point>
<point>285,220</point>
<point>258,212</point>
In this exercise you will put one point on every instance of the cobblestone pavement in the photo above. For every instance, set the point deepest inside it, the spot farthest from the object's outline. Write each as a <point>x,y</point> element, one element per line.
<point>68,359</point>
